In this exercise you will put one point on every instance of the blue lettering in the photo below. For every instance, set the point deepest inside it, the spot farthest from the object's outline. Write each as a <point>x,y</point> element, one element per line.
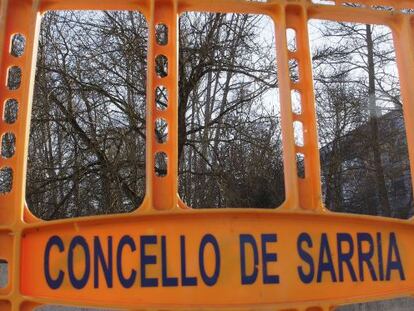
<point>126,282</point>
<point>166,281</point>
<point>345,257</point>
<point>147,260</point>
<point>365,256</point>
<point>380,257</point>
<point>391,264</point>
<point>268,257</point>
<point>209,280</point>
<point>53,283</point>
<point>185,280</point>
<point>78,283</point>
<point>248,239</point>
<point>99,258</point>
<point>304,255</point>
<point>327,266</point>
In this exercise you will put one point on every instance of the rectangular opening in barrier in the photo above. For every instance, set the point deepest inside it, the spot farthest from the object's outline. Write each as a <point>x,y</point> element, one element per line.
<point>402,303</point>
<point>230,150</point>
<point>87,136</point>
<point>363,146</point>
<point>4,273</point>
<point>6,180</point>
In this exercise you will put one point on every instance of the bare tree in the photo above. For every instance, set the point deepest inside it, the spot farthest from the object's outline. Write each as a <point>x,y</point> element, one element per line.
<point>87,141</point>
<point>358,108</point>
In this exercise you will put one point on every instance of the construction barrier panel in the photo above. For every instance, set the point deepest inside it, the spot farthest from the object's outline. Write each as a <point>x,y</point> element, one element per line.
<point>165,255</point>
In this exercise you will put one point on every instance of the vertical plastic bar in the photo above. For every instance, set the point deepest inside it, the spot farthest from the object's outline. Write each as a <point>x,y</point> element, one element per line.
<point>6,242</point>
<point>29,69</point>
<point>3,14</point>
<point>404,47</point>
<point>21,18</point>
<point>164,185</point>
<point>7,198</point>
<point>289,158</point>
<point>309,186</point>
<point>17,12</point>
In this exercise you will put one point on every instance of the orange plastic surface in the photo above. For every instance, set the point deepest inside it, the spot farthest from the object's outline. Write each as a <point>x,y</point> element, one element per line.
<point>166,255</point>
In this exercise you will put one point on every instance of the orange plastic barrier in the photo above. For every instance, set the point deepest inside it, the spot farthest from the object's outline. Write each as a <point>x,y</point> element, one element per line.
<point>166,255</point>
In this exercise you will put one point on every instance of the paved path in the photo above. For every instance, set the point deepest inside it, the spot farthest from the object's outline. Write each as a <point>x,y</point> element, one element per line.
<point>403,304</point>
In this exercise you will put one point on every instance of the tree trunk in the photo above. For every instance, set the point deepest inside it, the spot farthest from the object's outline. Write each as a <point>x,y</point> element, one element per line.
<point>373,123</point>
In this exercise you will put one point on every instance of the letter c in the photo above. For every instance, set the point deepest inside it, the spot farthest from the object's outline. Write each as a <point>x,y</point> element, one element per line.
<point>126,282</point>
<point>53,283</point>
